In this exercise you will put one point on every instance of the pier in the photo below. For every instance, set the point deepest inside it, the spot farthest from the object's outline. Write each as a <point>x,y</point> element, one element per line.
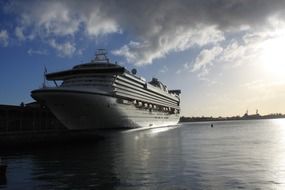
<point>24,118</point>
<point>34,125</point>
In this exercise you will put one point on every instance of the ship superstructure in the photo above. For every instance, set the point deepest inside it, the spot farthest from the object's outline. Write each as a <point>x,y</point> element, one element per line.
<point>101,94</point>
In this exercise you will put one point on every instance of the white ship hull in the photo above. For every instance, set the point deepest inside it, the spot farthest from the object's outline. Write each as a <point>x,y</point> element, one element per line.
<point>82,109</point>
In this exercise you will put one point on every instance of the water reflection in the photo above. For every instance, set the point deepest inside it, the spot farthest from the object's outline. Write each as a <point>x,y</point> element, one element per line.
<point>151,130</point>
<point>132,159</point>
<point>278,122</point>
<point>232,155</point>
<point>79,167</point>
<point>276,154</point>
<point>147,158</point>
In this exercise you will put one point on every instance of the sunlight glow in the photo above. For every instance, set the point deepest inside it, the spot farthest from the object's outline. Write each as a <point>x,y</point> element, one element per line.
<point>273,56</point>
<point>279,122</point>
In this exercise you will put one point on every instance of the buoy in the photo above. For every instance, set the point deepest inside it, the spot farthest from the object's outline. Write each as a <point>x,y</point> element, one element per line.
<point>212,125</point>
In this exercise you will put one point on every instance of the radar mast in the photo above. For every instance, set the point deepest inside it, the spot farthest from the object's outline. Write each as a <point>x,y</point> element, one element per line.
<point>101,56</point>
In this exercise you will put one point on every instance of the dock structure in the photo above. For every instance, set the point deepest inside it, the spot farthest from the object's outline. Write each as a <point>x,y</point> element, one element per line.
<point>33,125</point>
<point>30,117</point>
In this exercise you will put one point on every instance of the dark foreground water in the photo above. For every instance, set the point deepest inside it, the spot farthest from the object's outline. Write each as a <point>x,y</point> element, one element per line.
<point>231,155</point>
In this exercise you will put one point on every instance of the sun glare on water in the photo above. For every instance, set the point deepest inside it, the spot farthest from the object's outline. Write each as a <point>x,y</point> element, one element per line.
<point>273,56</point>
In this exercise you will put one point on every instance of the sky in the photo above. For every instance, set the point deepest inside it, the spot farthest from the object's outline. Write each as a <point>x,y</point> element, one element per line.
<point>226,56</point>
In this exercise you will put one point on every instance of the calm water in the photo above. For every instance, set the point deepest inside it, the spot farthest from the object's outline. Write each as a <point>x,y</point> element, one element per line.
<point>232,155</point>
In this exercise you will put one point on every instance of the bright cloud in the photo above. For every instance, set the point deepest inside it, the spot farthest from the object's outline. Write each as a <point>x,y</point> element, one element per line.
<point>48,17</point>
<point>206,57</point>
<point>174,41</point>
<point>97,24</point>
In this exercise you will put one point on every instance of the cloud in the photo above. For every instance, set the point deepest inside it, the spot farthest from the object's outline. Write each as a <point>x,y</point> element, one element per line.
<point>48,17</point>
<point>173,26</point>
<point>19,33</point>
<point>154,28</point>
<point>178,72</point>
<point>205,58</point>
<point>164,69</point>
<point>4,38</point>
<point>174,41</point>
<point>64,18</point>
<point>37,52</point>
<point>250,48</point>
<point>97,24</point>
<point>49,20</point>
<point>66,49</point>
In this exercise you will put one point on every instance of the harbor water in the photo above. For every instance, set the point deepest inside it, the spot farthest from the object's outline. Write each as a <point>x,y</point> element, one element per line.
<point>230,155</point>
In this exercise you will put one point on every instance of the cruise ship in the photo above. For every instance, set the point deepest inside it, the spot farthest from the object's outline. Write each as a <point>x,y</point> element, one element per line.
<point>105,95</point>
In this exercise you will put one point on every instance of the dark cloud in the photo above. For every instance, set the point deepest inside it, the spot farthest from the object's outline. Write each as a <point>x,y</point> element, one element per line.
<point>144,17</point>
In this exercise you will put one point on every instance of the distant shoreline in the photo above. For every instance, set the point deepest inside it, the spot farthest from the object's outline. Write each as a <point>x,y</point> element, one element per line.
<point>245,117</point>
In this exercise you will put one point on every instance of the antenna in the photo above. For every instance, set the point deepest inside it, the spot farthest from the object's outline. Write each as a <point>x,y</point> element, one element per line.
<point>45,72</point>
